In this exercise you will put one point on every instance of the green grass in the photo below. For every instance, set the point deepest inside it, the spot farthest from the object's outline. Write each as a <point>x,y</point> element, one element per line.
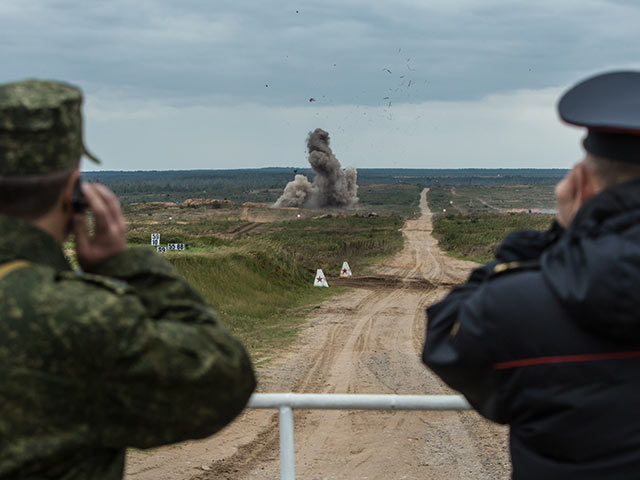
<point>261,281</point>
<point>471,199</point>
<point>140,233</point>
<point>261,285</point>
<point>479,217</point>
<point>194,242</point>
<point>475,237</point>
<point>258,292</point>
<point>327,242</point>
<point>398,198</point>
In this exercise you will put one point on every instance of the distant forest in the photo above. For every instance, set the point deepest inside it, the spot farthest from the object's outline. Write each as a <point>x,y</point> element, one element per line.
<point>265,184</point>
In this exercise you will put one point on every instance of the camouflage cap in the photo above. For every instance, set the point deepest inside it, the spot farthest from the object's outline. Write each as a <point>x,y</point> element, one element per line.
<point>40,128</point>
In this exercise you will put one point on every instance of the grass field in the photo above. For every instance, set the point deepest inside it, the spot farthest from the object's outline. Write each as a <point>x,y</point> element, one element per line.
<point>475,237</point>
<point>478,217</point>
<point>259,291</point>
<point>255,265</point>
<point>398,198</point>
<point>266,184</point>
<point>261,282</point>
<point>464,199</point>
<point>327,242</point>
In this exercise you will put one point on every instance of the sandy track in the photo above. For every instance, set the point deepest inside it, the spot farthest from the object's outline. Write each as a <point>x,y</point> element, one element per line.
<point>367,341</point>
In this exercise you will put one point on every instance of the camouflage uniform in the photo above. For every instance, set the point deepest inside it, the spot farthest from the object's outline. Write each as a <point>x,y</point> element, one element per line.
<point>128,355</point>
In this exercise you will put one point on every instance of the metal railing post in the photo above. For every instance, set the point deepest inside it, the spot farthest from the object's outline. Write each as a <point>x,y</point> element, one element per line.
<point>287,460</point>
<point>286,402</point>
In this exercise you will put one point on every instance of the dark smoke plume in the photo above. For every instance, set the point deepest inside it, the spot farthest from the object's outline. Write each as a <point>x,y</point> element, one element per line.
<point>331,187</point>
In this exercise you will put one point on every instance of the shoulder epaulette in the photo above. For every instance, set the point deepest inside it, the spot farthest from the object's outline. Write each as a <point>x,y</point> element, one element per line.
<point>113,284</point>
<point>8,267</point>
<point>516,266</point>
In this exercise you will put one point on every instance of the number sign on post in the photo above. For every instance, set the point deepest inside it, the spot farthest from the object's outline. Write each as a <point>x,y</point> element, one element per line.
<point>162,249</point>
<point>155,239</point>
<point>175,246</point>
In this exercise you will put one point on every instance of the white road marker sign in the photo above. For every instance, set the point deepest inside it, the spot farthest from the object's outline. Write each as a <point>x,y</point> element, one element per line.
<point>346,271</point>
<point>320,280</point>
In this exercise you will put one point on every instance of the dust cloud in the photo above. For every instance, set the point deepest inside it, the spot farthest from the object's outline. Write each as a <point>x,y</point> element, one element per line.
<point>331,187</point>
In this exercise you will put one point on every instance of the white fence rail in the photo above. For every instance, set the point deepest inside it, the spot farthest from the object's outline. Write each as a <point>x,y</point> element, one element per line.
<point>286,402</point>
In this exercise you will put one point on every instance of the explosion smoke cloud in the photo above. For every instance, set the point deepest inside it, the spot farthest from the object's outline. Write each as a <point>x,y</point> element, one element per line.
<point>331,187</point>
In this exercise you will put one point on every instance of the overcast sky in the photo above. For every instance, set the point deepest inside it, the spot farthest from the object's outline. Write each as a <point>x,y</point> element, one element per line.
<point>404,83</point>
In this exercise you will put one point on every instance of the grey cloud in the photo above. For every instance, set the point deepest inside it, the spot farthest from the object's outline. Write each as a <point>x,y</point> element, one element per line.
<point>336,51</point>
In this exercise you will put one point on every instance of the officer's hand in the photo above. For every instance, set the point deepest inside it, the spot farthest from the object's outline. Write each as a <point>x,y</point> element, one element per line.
<point>568,196</point>
<point>110,234</point>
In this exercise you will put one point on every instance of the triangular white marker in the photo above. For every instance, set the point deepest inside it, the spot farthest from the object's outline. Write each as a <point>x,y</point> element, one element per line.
<point>346,271</point>
<point>320,280</point>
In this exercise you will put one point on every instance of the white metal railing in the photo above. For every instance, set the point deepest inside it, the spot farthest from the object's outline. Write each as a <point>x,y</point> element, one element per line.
<point>286,402</point>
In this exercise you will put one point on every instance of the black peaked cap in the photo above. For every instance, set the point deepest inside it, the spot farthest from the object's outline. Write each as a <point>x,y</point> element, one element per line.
<point>610,101</point>
<point>608,105</point>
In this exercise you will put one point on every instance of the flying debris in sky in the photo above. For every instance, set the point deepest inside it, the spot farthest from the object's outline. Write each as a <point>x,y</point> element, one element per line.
<point>312,100</point>
<point>331,187</point>
<point>386,70</point>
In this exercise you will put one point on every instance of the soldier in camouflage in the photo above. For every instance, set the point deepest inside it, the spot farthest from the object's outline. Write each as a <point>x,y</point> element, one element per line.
<point>124,354</point>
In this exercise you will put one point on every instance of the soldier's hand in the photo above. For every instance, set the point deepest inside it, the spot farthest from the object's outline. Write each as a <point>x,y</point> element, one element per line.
<point>110,235</point>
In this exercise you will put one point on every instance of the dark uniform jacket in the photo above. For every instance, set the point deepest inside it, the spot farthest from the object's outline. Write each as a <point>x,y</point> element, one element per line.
<point>127,356</point>
<point>547,339</point>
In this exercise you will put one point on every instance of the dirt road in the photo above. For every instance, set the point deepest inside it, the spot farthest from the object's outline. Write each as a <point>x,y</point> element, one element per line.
<point>367,341</point>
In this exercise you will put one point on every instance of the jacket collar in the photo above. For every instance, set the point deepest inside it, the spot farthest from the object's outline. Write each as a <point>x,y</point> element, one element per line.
<point>594,269</point>
<point>612,209</point>
<point>20,239</point>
